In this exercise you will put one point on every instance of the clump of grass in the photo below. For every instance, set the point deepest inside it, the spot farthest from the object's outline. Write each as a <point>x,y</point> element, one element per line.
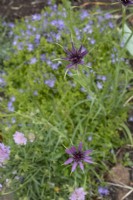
<point>88,106</point>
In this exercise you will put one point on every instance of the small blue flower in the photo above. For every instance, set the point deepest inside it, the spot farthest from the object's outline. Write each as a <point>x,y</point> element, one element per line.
<point>103,191</point>
<point>50,83</point>
<point>111,25</point>
<point>2,82</point>
<point>11,24</point>
<point>28,32</point>
<point>33,60</point>
<point>92,41</point>
<point>101,77</point>
<point>90,138</point>
<point>43,57</point>
<point>107,16</point>
<point>13,120</point>
<point>10,106</point>
<point>13,98</point>
<point>99,85</point>
<point>35,93</point>
<point>130,119</point>
<point>58,23</point>
<point>30,47</point>
<point>36,17</point>
<point>84,14</point>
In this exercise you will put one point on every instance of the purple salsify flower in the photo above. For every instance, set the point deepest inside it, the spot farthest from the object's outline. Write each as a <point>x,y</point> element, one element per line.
<point>75,56</point>
<point>103,191</point>
<point>78,157</point>
<point>126,2</point>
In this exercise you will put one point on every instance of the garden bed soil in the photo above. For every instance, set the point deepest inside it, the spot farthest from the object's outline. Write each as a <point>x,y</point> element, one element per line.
<point>12,9</point>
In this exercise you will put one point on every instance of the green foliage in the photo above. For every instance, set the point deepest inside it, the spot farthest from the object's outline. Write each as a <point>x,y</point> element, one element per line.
<point>88,102</point>
<point>5,42</point>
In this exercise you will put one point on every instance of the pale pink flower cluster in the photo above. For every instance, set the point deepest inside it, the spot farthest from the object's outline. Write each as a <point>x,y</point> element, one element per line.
<point>19,138</point>
<point>4,153</point>
<point>78,194</point>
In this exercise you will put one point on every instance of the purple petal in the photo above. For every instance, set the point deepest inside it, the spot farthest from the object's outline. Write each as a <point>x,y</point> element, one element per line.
<point>81,62</point>
<point>70,151</point>
<point>87,152</point>
<point>69,66</point>
<point>68,52</point>
<point>68,161</point>
<point>80,49</point>
<point>84,53</point>
<point>74,166</point>
<point>80,146</point>
<point>73,48</point>
<point>81,165</point>
<point>88,160</point>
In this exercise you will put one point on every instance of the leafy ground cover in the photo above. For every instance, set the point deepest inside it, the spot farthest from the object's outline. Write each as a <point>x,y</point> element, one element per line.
<point>49,111</point>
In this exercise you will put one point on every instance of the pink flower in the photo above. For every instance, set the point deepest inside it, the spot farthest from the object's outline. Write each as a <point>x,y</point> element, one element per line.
<point>19,138</point>
<point>78,194</point>
<point>4,153</point>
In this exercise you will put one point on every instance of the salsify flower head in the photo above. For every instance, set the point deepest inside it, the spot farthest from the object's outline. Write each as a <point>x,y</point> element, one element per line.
<point>19,138</point>
<point>78,157</point>
<point>4,153</point>
<point>126,2</point>
<point>78,194</point>
<point>75,56</point>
